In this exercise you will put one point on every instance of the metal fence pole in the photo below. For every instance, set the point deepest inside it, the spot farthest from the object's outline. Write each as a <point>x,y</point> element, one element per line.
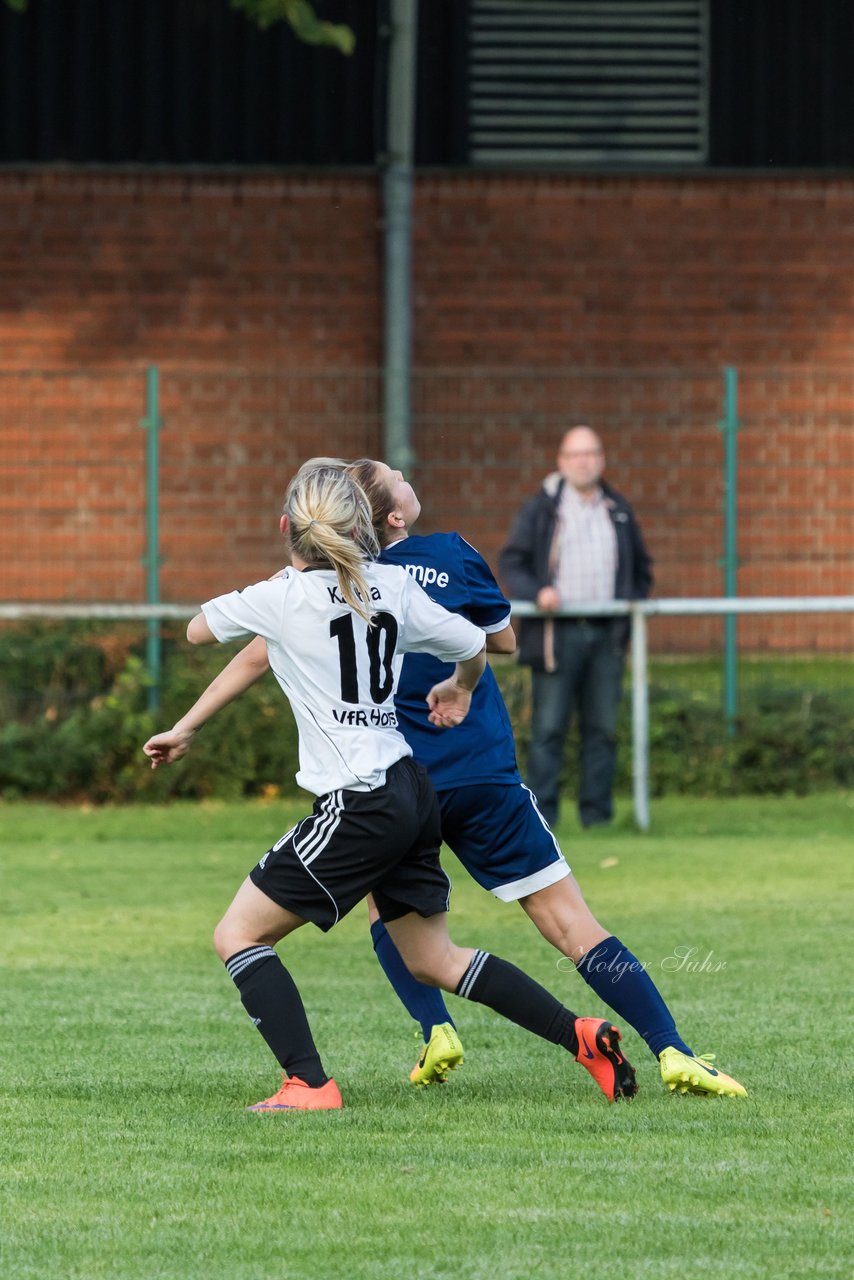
<point>397,183</point>
<point>729,426</point>
<point>640,718</point>
<point>152,424</point>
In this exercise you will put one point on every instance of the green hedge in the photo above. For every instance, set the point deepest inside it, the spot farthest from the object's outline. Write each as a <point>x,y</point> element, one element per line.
<point>73,719</point>
<point>793,733</point>
<point>73,706</point>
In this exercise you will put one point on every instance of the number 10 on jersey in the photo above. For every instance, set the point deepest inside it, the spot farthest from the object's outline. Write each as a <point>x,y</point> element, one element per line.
<point>381,643</point>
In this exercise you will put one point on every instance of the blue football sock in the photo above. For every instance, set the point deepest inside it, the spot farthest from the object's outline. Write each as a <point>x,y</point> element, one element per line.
<point>621,981</point>
<point>425,1004</point>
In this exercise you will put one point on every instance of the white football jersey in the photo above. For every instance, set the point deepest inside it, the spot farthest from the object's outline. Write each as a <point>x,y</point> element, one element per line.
<point>338,674</point>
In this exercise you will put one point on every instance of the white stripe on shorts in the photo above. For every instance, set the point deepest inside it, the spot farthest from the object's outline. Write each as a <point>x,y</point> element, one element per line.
<point>533,800</point>
<point>323,830</point>
<point>517,889</point>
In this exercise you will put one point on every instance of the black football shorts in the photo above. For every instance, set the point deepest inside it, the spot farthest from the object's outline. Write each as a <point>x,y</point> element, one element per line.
<point>385,842</point>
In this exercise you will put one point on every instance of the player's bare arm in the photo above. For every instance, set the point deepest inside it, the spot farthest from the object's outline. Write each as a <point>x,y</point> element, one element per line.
<point>242,672</point>
<point>503,641</point>
<point>198,631</point>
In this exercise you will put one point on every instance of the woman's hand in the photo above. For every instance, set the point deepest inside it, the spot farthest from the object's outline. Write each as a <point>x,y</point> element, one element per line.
<point>166,748</point>
<point>449,704</point>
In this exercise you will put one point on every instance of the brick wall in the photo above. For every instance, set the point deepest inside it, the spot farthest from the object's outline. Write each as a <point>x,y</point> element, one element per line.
<point>635,272</point>
<point>538,302</point>
<point>113,269</point>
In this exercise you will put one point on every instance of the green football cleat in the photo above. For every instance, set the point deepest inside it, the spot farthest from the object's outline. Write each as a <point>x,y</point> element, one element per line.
<point>440,1055</point>
<point>697,1075</point>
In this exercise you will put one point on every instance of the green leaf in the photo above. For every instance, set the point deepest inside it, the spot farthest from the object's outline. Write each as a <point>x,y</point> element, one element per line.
<point>301,18</point>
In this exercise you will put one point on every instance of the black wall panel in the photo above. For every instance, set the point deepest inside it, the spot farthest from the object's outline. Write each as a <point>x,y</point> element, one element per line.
<point>194,82</point>
<point>782,83</point>
<point>181,81</point>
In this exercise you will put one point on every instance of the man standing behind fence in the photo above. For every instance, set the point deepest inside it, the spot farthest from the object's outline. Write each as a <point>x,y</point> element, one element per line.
<point>577,540</point>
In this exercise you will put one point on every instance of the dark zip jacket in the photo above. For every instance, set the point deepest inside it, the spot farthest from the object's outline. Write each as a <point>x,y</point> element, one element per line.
<point>527,564</point>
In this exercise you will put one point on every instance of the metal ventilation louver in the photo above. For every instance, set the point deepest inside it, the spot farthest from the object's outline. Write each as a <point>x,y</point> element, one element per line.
<point>604,82</point>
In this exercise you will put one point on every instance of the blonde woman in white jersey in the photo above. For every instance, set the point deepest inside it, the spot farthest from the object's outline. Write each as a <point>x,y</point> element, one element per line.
<point>336,626</point>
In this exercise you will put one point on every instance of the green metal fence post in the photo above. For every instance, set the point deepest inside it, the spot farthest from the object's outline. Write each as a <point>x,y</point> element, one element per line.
<point>152,424</point>
<point>730,426</point>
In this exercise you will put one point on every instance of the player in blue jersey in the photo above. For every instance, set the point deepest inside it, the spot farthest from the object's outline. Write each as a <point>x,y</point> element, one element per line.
<point>489,818</point>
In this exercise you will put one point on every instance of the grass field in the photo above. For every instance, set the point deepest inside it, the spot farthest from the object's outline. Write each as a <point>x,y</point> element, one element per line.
<point>127,1061</point>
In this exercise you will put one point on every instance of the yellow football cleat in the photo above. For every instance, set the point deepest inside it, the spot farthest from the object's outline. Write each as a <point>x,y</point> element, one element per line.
<point>697,1075</point>
<point>440,1055</point>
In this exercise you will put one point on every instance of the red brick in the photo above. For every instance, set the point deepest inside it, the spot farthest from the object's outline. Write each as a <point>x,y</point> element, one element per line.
<point>539,302</point>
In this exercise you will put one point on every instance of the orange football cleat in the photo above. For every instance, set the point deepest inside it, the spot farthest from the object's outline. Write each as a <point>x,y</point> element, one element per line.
<point>296,1095</point>
<point>598,1051</point>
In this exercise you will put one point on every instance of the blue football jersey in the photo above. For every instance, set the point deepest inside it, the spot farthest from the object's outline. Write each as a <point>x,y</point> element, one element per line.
<point>481,749</point>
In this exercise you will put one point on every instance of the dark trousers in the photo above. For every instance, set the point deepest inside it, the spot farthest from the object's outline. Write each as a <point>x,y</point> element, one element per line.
<point>588,681</point>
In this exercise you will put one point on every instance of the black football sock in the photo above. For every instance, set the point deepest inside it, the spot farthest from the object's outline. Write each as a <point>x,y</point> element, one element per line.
<point>501,986</point>
<point>270,997</point>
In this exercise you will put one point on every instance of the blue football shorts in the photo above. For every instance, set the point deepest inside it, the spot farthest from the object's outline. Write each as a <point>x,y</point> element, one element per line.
<point>501,838</point>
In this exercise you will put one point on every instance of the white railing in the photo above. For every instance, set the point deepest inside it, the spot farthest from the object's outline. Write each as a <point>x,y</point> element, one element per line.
<point>637,610</point>
<point>97,612</point>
